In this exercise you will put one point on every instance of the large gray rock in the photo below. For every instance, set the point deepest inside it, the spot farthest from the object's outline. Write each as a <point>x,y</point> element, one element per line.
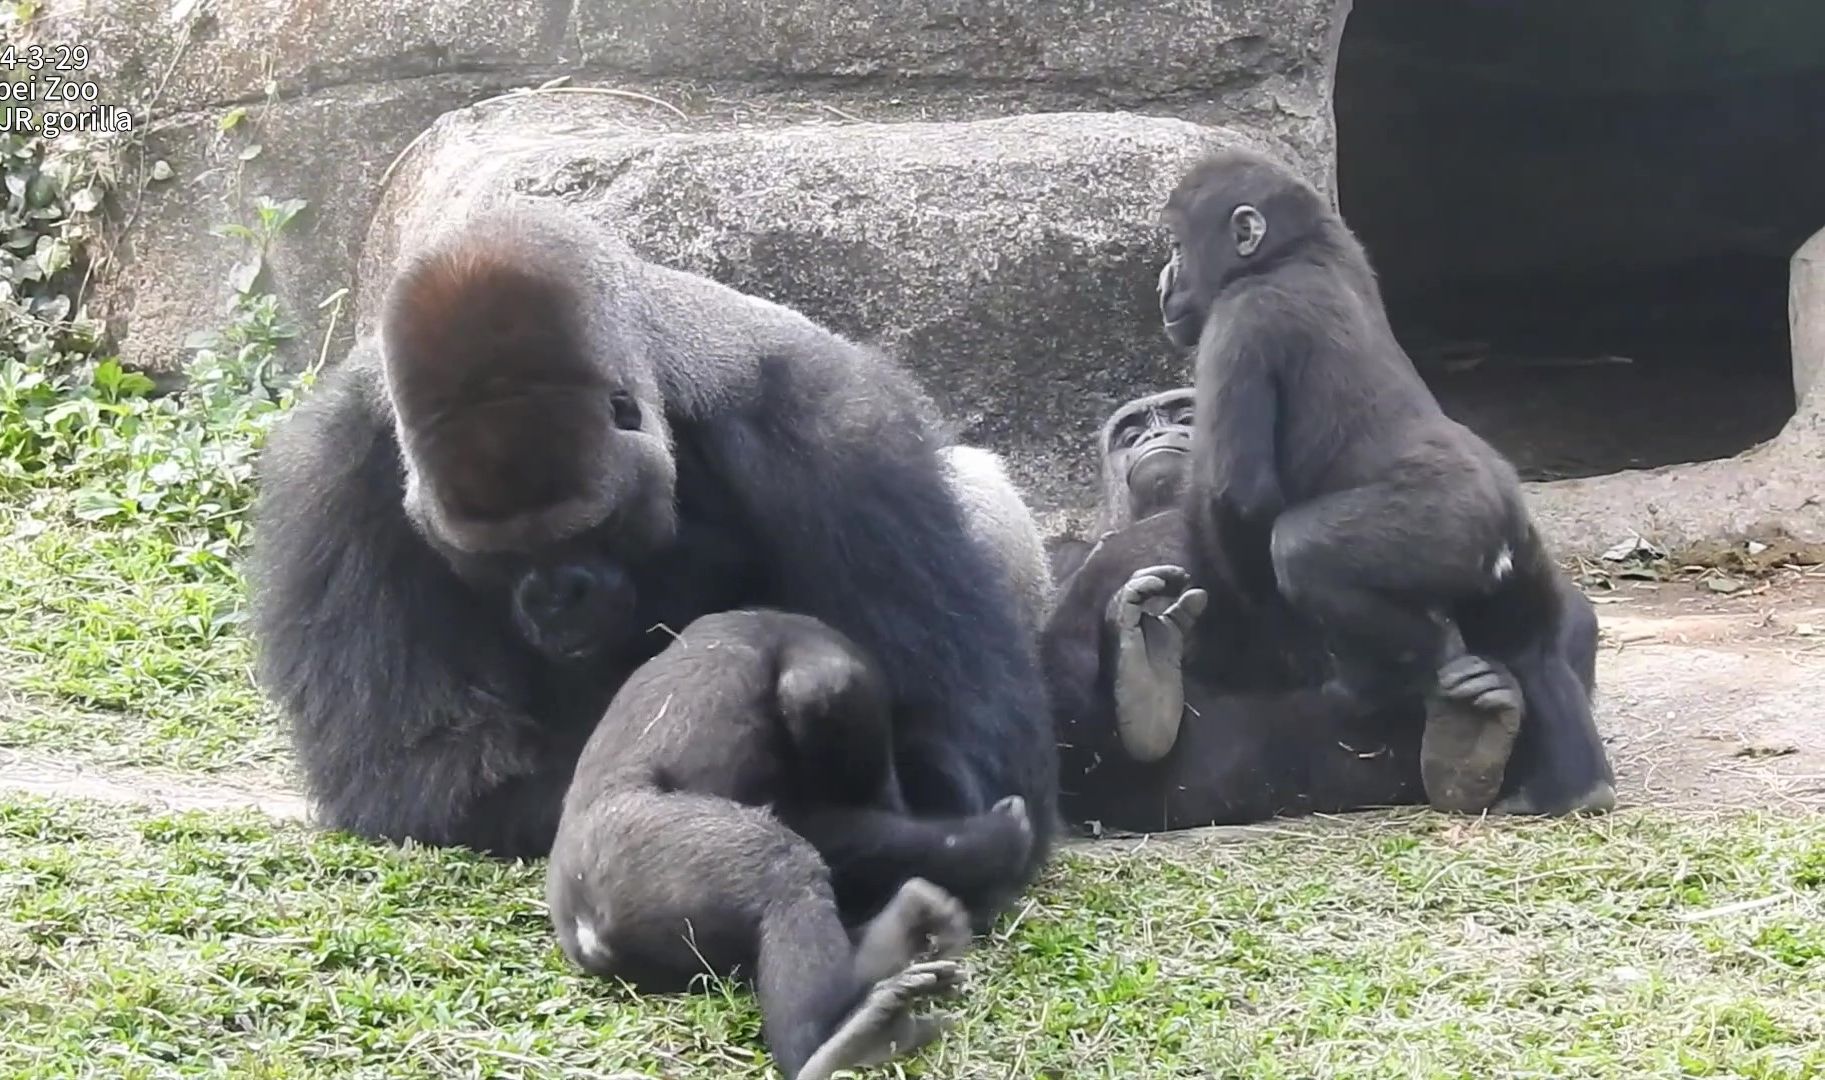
<point>1806,315</point>
<point>168,277</point>
<point>207,54</point>
<point>335,91</point>
<point>1012,262</point>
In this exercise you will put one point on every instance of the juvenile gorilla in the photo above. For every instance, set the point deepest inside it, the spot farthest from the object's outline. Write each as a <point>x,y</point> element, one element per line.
<point>551,454</point>
<point>1326,471</point>
<point>680,847</point>
<point>1179,706</point>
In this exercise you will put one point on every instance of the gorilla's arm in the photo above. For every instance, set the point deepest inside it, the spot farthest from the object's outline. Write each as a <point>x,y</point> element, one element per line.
<point>1235,447</point>
<point>833,455</point>
<point>406,708</point>
<point>868,537</point>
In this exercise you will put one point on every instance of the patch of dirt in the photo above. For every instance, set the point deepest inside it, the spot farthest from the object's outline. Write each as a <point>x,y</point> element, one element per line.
<point>1710,699</point>
<point>1705,699</point>
<point>43,774</point>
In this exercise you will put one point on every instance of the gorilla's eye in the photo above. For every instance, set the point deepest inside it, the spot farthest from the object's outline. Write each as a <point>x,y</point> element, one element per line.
<point>627,410</point>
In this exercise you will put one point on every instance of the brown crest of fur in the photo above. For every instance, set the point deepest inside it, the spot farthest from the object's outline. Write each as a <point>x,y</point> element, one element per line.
<point>503,411</point>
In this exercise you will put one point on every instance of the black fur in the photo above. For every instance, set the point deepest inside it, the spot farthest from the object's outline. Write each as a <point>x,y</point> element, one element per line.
<point>1257,738</point>
<point>804,473</point>
<point>679,850</point>
<point>1325,470</point>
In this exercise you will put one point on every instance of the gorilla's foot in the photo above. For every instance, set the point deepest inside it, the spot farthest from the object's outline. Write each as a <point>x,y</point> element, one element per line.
<point>1472,719</point>
<point>1600,799</point>
<point>921,922</point>
<point>884,1025</point>
<point>989,859</point>
<point>998,840</point>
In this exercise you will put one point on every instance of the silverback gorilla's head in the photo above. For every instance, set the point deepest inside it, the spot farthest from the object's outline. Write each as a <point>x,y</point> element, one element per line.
<point>1145,446</point>
<point>1218,216</point>
<point>537,456</point>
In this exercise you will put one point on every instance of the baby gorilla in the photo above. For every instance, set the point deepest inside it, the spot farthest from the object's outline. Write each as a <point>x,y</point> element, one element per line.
<point>677,854</point>
<point>1334,477</point>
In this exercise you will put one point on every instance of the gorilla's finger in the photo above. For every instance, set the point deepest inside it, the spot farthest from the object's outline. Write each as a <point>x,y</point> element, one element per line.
<point>1175,577</point>
<point>1187,608</point>
<point>1477,684</point>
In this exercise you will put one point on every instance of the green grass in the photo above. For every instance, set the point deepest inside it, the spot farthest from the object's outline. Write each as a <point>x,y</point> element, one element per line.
<point>121,658</point>
<point>138,944</point>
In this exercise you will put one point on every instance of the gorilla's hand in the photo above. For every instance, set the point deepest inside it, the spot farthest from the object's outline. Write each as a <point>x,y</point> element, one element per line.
<point>1151,616</point>
<point>1472,718</point>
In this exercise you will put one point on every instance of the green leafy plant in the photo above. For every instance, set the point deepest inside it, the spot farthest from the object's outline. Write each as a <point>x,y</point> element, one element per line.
<point>97,442</point>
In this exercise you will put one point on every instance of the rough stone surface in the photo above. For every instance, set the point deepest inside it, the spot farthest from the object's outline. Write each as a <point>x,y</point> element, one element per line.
<point>337,90</point>
<point>1775,488</point>
<point>1126,49</point>
<point>209,54</point>
<point>1011,262</point>
<point>168,276</point>
<point>1806,315</point>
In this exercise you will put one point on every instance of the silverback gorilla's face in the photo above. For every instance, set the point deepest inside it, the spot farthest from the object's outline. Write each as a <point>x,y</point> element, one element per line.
<point>532,428</point>
<point>584,514</point>
<point>1148,443</point>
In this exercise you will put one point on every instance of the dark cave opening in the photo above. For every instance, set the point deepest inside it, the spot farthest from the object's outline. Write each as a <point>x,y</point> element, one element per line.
<point>1583,214</point>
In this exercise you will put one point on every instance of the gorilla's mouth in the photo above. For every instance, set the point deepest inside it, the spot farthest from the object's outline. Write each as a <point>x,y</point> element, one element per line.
<point>1183,331</point>
<point>1164,446</point>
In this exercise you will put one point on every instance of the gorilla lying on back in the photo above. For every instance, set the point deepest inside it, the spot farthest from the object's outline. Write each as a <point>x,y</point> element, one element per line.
<point>1328,473</point>
<point>551,454</point>
<point>689,837</point>
<point>1182,701</point>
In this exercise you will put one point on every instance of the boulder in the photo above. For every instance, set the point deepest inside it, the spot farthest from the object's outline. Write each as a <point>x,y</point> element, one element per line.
<point>333,92</point>
<point>1011,263</point>
<point>1806,315</point>
<point>169,277</point>
<point>207,54</point>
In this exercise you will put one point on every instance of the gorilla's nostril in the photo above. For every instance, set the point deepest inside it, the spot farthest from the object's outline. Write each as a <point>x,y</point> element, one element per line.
<point>552,593</point>
<point>569,588</point>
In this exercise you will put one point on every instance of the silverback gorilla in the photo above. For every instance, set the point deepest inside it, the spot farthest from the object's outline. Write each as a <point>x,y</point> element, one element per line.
<point>1181,700</point>
<point>692,831</point>
<point>552,455</point>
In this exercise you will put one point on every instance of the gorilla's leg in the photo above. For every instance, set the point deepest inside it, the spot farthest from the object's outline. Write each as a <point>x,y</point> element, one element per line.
<point>1362,570</point>
<point>1578,634</point>
<point>1559,765</point>
<point>871,851</point>
<point>920,921</point>
<point>656,887</point>
<point>1150,618</point>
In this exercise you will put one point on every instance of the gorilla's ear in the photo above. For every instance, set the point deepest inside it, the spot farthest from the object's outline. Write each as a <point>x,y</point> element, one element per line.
<point>1249,227</point>
<point>503,415</point>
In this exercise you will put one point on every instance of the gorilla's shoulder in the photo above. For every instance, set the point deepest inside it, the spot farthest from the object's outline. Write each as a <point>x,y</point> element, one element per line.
<point>337,424</point>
